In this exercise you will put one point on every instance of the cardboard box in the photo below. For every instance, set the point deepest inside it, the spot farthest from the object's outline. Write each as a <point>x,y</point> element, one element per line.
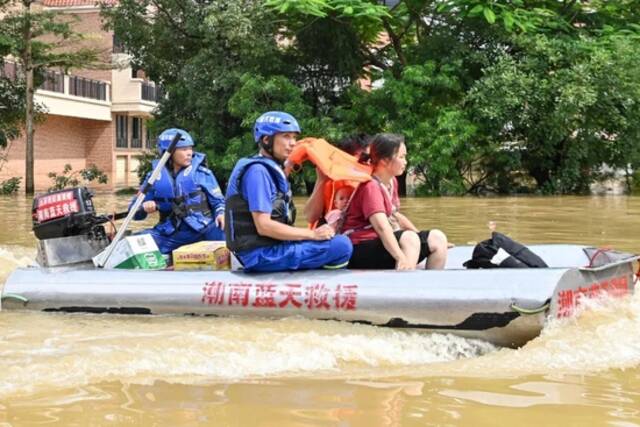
<point>138,252</point>
<point>206,255</point>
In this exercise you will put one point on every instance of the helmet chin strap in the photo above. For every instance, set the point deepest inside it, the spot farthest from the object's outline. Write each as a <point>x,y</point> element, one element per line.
<point>268,147</point>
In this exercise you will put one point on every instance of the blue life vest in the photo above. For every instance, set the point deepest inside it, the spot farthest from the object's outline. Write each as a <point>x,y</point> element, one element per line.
<point>240,230</point>
<point>181,199</point>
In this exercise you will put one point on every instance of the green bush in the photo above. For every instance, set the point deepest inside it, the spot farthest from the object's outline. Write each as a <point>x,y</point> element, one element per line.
<point>126,191</point>
<point>144,167</point>
<point>10,186</point>
<point>69,178</point>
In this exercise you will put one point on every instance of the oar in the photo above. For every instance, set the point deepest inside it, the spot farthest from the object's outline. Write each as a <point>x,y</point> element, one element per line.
<point>101,259</point>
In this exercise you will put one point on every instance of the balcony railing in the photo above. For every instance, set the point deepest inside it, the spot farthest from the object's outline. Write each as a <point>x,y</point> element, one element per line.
<point>53,81</point>
<point>87,88</point>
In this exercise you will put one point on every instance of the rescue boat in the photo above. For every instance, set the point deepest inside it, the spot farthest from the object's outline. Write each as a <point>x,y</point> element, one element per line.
<point>507,307</point>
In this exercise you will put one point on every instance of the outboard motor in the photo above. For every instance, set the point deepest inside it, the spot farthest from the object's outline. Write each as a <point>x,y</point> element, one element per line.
<point>67,227</point>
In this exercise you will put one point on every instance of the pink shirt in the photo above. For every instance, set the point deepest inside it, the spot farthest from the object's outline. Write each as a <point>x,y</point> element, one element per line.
<point>370,198</point>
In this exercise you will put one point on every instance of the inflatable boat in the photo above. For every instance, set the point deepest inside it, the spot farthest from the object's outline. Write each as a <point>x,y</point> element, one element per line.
<point>505,306</point>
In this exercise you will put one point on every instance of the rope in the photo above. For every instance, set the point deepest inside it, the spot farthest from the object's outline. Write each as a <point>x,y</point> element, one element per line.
<point>593,257</point>
<point>529,311</point>
<point>16,297</point>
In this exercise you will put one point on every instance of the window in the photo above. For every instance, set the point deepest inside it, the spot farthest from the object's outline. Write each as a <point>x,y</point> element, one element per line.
<point>121,131</point>
<point>118,45</point>
<point>150,139</point>
<point>136,132</point>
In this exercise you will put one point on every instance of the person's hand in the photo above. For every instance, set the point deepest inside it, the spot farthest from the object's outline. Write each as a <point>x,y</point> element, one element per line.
<point>403,264</point>
<point>450,245</point>
<point>220,221</point>
<point>323,232</point>
<point>149,206</point>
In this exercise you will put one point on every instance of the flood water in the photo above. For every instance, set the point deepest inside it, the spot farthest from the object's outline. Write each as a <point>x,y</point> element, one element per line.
<point>80,369</point>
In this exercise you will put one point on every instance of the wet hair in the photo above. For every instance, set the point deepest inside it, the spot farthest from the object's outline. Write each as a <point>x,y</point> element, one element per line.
<point>385,146</point>
<point>356,143</point>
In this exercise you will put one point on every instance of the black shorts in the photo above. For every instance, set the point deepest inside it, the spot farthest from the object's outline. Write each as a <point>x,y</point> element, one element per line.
<point>373,255</point>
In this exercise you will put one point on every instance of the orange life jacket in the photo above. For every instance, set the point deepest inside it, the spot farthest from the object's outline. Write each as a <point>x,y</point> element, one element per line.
<point>342,168</point>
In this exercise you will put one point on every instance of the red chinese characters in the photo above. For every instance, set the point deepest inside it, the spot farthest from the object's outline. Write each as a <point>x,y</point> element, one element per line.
<point>291,295</point>
<point>319,296</point>
<point>56,206</point>
<point>239,294</point>
<point>265,295</point>
<point>213,293</point>
<point>570,299</point>
<point>346,297</point>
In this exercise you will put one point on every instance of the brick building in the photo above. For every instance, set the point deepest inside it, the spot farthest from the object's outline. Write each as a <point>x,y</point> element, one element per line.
<point>93,116</point>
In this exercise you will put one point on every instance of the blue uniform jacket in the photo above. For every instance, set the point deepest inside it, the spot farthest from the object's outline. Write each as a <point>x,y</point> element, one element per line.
<point>190,180</point>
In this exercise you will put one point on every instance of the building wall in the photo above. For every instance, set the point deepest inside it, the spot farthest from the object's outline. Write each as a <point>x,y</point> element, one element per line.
<point>58,141</point>
<point>99,148</point>
<point>82,131</point>
<point>89,25</point>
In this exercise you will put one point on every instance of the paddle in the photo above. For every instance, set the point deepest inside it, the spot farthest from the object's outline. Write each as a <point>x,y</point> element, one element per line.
<point>101,259</point>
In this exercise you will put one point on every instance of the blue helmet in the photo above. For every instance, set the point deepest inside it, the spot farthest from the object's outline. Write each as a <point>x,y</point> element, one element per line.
<point>274,122</point>
<point>165,138</point>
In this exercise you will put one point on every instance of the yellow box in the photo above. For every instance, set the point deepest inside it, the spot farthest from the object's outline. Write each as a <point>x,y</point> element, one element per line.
<point>207,255</point>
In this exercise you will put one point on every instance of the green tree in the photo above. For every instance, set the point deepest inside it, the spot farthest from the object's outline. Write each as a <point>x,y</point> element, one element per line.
<point>498,96</point>
<point>11,108</point>
<point>199,52</point>
<point>568,106</point>
<point>32,38</point>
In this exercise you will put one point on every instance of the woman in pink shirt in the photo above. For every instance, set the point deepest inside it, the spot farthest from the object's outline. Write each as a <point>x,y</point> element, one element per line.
<point>382,237</point>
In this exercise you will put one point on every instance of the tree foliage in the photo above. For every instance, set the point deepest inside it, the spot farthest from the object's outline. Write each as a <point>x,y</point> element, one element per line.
<point>11,109</point>
<point>36,40</point>
<point>492,95</point>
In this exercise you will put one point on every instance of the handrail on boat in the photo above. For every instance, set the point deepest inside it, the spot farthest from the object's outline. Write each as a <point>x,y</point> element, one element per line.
<point>17,297</point>
<point>529,311</point>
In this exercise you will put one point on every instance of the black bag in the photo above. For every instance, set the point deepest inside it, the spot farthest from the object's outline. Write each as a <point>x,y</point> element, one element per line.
<point>502,252</point>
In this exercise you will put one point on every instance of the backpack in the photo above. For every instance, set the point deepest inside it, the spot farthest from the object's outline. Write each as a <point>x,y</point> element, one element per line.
<point>501,251</point>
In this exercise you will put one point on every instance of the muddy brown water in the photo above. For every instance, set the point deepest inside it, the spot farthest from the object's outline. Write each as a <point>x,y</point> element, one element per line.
<point>123,370</point>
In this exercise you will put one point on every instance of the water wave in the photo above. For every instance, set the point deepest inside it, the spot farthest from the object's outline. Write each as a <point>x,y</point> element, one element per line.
<point>40,351</point>
<point>604,335</point>
<point>54,351</point>
<point>12,257</point>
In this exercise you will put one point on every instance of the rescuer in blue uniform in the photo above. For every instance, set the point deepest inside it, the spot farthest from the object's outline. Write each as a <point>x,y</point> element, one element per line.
<point>259,213</point>
<point>186,195</point>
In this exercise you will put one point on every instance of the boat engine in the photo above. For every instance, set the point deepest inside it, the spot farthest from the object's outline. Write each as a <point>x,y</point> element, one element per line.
<point>67,227</point>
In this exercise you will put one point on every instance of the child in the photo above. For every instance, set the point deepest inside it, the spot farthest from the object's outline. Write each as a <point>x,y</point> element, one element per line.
<point>340,202</point>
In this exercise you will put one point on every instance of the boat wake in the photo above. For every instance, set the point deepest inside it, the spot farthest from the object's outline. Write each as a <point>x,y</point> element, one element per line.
<point>44,351</point>
<point>605,335</point>
<point>12,257</point>
<point>40,352</point>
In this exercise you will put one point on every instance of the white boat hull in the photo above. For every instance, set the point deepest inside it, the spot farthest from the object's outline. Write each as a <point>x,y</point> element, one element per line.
<point>505,306</point>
